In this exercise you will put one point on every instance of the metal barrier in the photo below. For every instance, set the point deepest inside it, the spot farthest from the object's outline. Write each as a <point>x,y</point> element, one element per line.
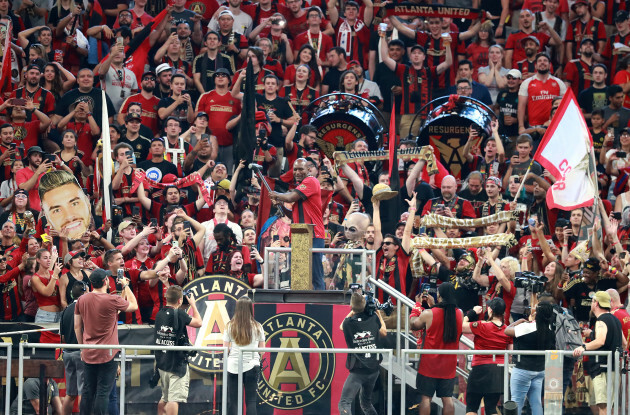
<point>123,359</point>
<point>506,353</point>
<point>7,404</point>
<point>362,252</point>
<point>388,352</point>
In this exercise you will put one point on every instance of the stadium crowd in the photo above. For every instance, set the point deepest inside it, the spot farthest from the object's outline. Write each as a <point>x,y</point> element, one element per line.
<point>173,73</point>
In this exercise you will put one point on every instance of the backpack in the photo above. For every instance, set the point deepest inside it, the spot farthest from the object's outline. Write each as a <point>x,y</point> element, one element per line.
<point>568,332</point>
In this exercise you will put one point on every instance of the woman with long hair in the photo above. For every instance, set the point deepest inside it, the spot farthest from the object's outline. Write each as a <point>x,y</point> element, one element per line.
<point>486,378</point>
<point>74,158</point>
<point>305,56</point>
<point>529,373</point>
<point>77,274</point>
<point>300,94</point>
<point>240,332</point>
<point>257,58</point>
<point>37,52</point>
<point>9,186</point>
<point>29,303</point>
<point>20,205</point>
<point>57,79</point>
<point>494,75</point>
<point>478,50</point>
<point>45,285</point>
<point>554,272</point>
<point>235,259</point>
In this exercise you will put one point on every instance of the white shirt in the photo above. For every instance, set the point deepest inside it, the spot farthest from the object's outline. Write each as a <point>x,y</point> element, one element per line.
<point>250,359</point>
<point>117,82</point>
<point>243,24</point>
<point>372,89</point>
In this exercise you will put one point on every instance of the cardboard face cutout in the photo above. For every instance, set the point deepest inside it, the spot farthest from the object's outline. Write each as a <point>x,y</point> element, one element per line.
<point>64,203</point>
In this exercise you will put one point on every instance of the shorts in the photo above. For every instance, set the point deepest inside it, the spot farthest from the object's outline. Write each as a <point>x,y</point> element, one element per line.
<point>599,389</point>
<point>174,388</point>
<point>442,388</point>
<point>74,367</point>
<point>43,316</point>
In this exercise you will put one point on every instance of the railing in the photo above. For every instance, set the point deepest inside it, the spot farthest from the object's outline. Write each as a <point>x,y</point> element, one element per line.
<point>123,359</point>
<point>506,367</point>
<point>7,403</point>
<point>388,352</point>
<point>276,264</point>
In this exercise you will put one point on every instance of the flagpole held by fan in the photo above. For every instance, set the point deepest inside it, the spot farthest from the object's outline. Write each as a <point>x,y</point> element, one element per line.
<point>520,187</point>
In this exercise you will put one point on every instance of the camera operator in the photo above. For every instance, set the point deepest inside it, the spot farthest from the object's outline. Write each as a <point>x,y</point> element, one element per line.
<point>170,328</point>
<point>96,322</point>
<point>436,373</point>
<point>361,330</point>
<point>577,291</point>
<point>486,378</point>
<point>502,282</point>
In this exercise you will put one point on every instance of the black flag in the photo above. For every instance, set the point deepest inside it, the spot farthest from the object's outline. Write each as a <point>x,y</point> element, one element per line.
<point>246,143</point>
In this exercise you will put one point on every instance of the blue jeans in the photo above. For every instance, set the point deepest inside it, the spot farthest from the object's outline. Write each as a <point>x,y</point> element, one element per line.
<point>525,383</point>
<point>318,267</point>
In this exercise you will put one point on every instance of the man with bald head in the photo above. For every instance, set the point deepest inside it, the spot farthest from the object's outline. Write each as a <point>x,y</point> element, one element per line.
<point>354,228</point>
<point>307,208</point>
<point>617,310</point>
<point>449,204</point>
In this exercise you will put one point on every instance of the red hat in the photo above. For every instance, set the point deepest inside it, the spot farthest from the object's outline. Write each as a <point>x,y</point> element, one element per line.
<point>262,121</point>
<point>353,63</point>
<point>581,2</point>
<point>169,178</point>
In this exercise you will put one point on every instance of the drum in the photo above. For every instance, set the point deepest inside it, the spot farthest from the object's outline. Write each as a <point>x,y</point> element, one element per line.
<point>447,127</point>
<point>341,119</point>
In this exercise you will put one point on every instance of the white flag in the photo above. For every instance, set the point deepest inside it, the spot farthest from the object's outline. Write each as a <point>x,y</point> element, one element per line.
<point>565,151</point>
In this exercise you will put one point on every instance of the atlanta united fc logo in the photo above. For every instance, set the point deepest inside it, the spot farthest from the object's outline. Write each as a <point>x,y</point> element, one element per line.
<point>296,380</point>
<point>215,297</point>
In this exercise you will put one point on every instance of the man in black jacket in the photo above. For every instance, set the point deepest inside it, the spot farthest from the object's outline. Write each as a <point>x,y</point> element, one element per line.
<point>361,331</point>
<point>170,325</point>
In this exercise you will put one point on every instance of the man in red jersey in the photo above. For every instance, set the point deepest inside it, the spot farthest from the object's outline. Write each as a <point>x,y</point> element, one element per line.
<point>585,26</point>
<point>514,51</point>
<point>537,93</point>
<point>617,310</point>
<point>147,100</point>
<point>296,20</point>
<point>42,99</point>
<point>578,71</point>
<point>415,80</point>
<point>223,112</point>
<point>307,208</point>
<point>435,44</point>
<point>351,33</point>
<point>314,36</point>
<point>436,373</point>
<point>611,53</point>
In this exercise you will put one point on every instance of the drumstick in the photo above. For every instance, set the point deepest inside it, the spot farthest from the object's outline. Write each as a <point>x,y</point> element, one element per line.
<point>293,109</point>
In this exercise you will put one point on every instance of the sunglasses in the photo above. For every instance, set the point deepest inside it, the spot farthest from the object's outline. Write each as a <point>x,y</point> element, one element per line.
<point>511,77</point>
<point>3,260</point>
<point>149,78</point>
<point>388,243</point>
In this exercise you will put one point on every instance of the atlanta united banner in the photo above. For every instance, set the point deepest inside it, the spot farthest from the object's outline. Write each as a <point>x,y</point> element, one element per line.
<point>431,10</point>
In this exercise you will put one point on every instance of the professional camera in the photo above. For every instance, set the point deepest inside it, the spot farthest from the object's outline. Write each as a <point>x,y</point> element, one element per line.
<point>155,379</point>
<point>371,303</point>
<point>530,281</point>
<point>465,280</point>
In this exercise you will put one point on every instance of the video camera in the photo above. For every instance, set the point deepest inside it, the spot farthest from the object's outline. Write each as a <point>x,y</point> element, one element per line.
<point>530,281</point>
<point>466,280</point>
<point>371,303</point>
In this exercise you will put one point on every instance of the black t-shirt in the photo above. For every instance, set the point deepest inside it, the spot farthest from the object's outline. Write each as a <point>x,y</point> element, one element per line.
<point>281,108</point>
<point>206,67</point>
<point>475,200</point>
<point>508,105</point>
<point>66,326</point>
<point>180,112</point>
<point>93,98</point>
<point>156,171</point>
<point>166,335</point>
<point>332,78</point>
<point>141,147</point>
<point>386,79</point>
<point>529,341</point>
<point>579,291</point>
<point>361,332</point>
<point>613,342</point>
<point>592,98</point>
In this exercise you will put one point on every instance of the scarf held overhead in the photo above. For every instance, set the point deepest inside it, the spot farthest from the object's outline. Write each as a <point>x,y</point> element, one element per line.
<point>422,153</point>
<point>433,220</point>
<point>431,10</point>
<point>207,194</point>
<point>502,239</point>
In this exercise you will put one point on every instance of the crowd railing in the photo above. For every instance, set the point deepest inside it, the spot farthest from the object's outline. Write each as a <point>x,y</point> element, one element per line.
<point>8,357</point>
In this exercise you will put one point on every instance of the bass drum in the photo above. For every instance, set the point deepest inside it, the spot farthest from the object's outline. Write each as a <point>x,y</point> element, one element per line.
<point>342,118</point>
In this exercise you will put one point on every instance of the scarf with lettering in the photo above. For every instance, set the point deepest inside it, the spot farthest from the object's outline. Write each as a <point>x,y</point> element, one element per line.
<point>141,177</point>
<point>502,239</point>
<point>344,38</point>
<point>433,220</point>
<point>432,10</point>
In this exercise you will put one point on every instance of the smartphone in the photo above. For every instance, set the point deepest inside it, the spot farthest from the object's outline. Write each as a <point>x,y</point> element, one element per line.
<point>120,274</point>
<point>616,215</point>
<point>12,146</point>
<point>154,222</point>
<point>621,154</point>
<point>119,41</point>
<point>276,238</point>
<point>440,206</point>
<point>422,229</point>
<point>135,210</point>
<point>50,158</point>
<point>175,244</point>
<point>187,226</point>
<point>622,255</point>
<point>18,102</point>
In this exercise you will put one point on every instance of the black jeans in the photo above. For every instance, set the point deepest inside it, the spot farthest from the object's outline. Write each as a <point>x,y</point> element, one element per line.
<point>99,380</point>
<point>250,379</point>
<point>354,383</point>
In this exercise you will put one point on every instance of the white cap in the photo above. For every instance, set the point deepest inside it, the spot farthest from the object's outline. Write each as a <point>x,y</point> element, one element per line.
<point>226,13</point>
<point>515,73</point>
<point>163,67</point>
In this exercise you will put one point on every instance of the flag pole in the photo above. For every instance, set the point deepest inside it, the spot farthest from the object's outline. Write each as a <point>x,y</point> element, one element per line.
<point>107,164</point>
<point>531,163</point>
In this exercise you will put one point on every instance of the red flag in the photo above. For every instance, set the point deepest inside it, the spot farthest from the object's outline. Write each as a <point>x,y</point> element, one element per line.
<point>5,75</point>
<point>394,175</point>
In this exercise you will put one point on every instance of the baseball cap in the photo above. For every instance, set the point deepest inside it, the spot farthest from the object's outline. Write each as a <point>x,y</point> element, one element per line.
<point>621,16</point>
<point>148,73</point>
<point>223,184</point>
<point>33,66</point>
<point>160,139</point>
<point>515,73</point>
<point>353,63</point>
<point>602,298</point>
<point>226,13</point>
<point>532,38</point>
<point>124,225</point>
<point>133,116</point>
<point>224,198</point>
<point>20,192</point>
<point>495,180</point>
<point>580,2</point>
<point>592,264</point>
<point>587,39</point>
<point>163,67</point>
<point>71,255</point>
<point>99,275</point>
<point>497,305</point>
<point>169,178</point>
<point>202,114</point>
<point>414,47</point>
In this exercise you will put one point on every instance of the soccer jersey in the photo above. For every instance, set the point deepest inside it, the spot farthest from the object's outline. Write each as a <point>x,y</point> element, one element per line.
<point>436,54</point>
<point>514,43</point>
<point>309,210</point>
<point>579,74</point>
<point>577,31</point>
<point>149,110</point>
<point>416,89</point>
<point>220,109</point>
<point>540,95</point>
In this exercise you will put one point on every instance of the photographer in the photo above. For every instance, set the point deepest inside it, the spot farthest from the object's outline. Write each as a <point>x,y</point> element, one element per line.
<point>265,154</point>
<point>502,282</point>
<point>170,330</point>
<point>486,378</point>
<point>360,329</point>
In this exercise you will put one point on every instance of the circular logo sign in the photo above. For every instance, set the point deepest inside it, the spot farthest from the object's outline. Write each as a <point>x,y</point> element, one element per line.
<point>296,380</point>
<point>215,297</point>
<point>154,174</point>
